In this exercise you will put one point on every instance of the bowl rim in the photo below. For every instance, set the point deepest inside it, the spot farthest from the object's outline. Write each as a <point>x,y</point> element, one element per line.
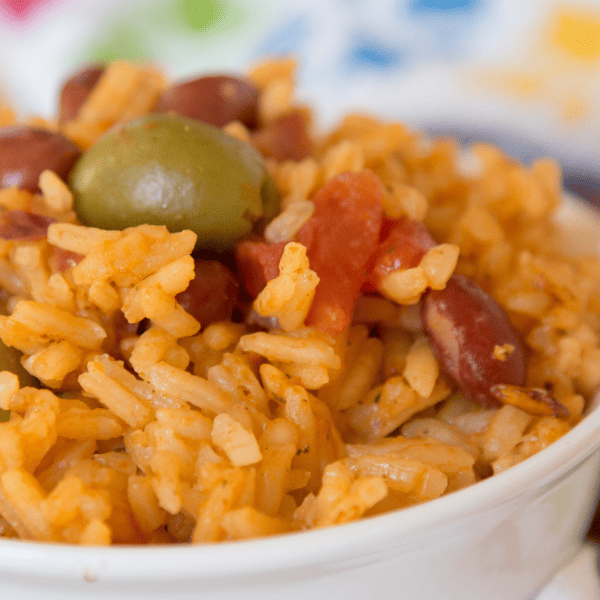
<point>403,529</point>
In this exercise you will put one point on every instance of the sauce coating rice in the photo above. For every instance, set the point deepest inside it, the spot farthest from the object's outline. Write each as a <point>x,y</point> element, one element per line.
<point>342,359</point>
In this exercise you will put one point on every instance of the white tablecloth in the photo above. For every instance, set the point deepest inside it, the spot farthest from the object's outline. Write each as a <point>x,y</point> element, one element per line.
<point>579,580</point>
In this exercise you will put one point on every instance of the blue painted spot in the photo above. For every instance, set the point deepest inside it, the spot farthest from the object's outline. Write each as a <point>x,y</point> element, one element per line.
<point>286,39</point>
<point>419,7</point>
<point>373,53</point>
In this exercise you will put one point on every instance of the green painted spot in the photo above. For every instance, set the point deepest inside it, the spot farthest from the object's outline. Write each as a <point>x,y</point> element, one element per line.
<point>202,14</point>
<point>4,415</point>
<point>122,41</point>
<point>208,16</point>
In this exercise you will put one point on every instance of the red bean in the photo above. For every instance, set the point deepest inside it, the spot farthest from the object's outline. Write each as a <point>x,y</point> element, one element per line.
<point>25,152</point>
<point>76,90</point>
<point>60,259</point>
<point>212,294</point>
<point>23,226</point>
<point>285,138</point>
<point>214,99</point>
<point>464,325</point>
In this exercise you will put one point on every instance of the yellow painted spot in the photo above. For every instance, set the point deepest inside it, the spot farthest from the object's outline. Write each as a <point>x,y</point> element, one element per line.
<point>521,84</point>
<point>576,32</point>
<point>575,109</point>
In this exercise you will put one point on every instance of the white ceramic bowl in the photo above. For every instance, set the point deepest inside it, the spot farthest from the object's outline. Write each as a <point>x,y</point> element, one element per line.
<point>501,539</point>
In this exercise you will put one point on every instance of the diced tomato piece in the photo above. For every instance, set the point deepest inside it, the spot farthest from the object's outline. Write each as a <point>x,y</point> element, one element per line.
<point>257,263</point>
<point>404,242</point>
<point>340,238</point>
<point>212,294</point>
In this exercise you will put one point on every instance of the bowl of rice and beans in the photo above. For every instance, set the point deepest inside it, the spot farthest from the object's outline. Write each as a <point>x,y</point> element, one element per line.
<point>225,331</point>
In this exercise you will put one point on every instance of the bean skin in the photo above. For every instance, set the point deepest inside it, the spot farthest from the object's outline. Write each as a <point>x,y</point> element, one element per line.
<point>213,293</point>
<point>76,90</point>
<point>285,138</point>
<point>26,151</point>
<point>464,325</point>
<point>23,226</point>
<point>214,99</point>
<point>60,259</point>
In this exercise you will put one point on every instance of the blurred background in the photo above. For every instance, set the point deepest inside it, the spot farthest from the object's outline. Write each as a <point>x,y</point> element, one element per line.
<point>524,74</point>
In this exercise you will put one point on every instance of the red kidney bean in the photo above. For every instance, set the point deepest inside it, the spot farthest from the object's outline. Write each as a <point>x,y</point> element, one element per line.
<point>285,138</point>
<point>214,99</point>
<point>25,152</point>
<point>464,325</point>
<point>23,226</point>
<point>76,90</point>
<point>61,259</point>
<point>212,294</point>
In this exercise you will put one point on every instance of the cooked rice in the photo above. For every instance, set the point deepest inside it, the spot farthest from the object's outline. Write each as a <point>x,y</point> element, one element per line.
<point>194,433</point>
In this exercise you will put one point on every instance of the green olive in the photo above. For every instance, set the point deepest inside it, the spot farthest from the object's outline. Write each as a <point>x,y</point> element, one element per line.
<point>178,172</point>
<point>10,360</point>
